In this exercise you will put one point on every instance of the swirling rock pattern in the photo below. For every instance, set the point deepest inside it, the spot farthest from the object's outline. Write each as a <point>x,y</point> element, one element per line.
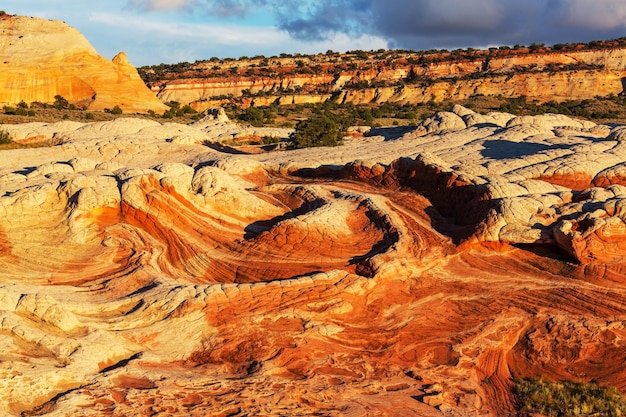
<point>413,275</point>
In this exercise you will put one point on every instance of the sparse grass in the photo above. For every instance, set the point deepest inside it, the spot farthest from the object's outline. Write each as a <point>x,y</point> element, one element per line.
<point>16,145</point>
<point>568,398</point>
<point>7,142</point>
<point>52,115</point>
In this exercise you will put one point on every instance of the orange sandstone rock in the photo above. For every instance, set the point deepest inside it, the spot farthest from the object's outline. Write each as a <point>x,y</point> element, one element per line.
<point>416,277</point>
<point>40,59</point>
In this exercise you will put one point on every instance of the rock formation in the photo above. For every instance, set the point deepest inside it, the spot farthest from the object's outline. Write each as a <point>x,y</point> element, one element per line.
<point>415,78</point>
<point>407,275</point>
<point>40,59</point>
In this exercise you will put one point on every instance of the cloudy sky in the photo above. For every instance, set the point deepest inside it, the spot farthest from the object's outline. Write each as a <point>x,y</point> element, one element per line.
<point>171,31</point>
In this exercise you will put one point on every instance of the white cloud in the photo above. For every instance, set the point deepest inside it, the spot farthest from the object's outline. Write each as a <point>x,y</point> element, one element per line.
<point>159,5</point>
<point>207,33</point>
<point>148,41</point>
<point>603,14</point>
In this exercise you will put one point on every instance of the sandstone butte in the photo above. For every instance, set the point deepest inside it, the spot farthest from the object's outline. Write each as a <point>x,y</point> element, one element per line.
<point>143,272</point>
<point>539,75</point>
<point>40,59</point>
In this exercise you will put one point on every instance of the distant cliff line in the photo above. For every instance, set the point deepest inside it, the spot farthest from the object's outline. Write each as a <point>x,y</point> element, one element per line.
<point>557,73</point>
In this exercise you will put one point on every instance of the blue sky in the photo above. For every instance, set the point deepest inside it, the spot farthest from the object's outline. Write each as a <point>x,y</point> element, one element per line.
<point>170,31</point>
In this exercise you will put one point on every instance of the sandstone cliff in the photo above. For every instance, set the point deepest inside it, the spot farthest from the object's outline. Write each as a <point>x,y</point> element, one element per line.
<point>539,75</point>
<point>40,59</point>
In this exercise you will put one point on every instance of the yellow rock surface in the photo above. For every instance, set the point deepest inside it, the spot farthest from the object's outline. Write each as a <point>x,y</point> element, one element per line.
<point>40,59</point>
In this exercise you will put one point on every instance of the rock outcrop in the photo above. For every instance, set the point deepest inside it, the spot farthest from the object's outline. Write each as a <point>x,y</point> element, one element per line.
<point>40,59</point>
<point>415,78</point>
<point>414,274</point>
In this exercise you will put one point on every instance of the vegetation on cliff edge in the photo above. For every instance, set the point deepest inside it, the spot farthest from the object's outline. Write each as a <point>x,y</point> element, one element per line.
<point>332,62</point>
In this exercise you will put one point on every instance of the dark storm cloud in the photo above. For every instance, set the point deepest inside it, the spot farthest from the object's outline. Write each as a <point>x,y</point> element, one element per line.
<point>419,24</point>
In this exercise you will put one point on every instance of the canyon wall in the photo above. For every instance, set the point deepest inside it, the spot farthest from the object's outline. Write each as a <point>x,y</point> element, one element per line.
<point>40,59</point>
<point>541,77</point>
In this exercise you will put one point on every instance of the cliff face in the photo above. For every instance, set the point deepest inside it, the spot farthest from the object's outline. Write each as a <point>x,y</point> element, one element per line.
<point>40,59</point>
<point>575,74</point>
<point>570,85</point>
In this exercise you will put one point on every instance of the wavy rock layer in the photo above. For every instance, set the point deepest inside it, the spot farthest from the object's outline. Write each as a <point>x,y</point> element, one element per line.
<point>413,275</point>
<point>40,59</point>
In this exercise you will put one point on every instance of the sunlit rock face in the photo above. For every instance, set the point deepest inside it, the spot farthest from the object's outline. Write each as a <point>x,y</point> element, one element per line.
<point>402,274</point>
<point>539,76</point>
<point>40,59</point>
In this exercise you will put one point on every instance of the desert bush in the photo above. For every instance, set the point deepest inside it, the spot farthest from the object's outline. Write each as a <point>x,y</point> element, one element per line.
<point>257,116</point>
<point>60,102</point>
<point>567,398</point>
<point>19,111</point>
<point>117,110</point>
<point>323,129</point>
<point>268,140</point>
<point>187,109</point>
<point>5,137</point>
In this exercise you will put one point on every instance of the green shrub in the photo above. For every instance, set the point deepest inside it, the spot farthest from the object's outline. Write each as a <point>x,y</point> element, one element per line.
<point>187,109</point>
<point>60,102</point>
<point>117,110</point>
<point>320,130</point>
<point>268,140</point>
<point>5,137</point>
<point>568,398</point>
<point>257,116</point>
<point>173,104</point>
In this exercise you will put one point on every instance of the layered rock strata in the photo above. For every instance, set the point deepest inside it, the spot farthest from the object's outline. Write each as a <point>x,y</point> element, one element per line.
<point>542,77</point>
<point>400,274</point>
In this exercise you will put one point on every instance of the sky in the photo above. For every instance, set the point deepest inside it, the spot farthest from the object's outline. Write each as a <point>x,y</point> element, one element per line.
<point>171,31</point>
